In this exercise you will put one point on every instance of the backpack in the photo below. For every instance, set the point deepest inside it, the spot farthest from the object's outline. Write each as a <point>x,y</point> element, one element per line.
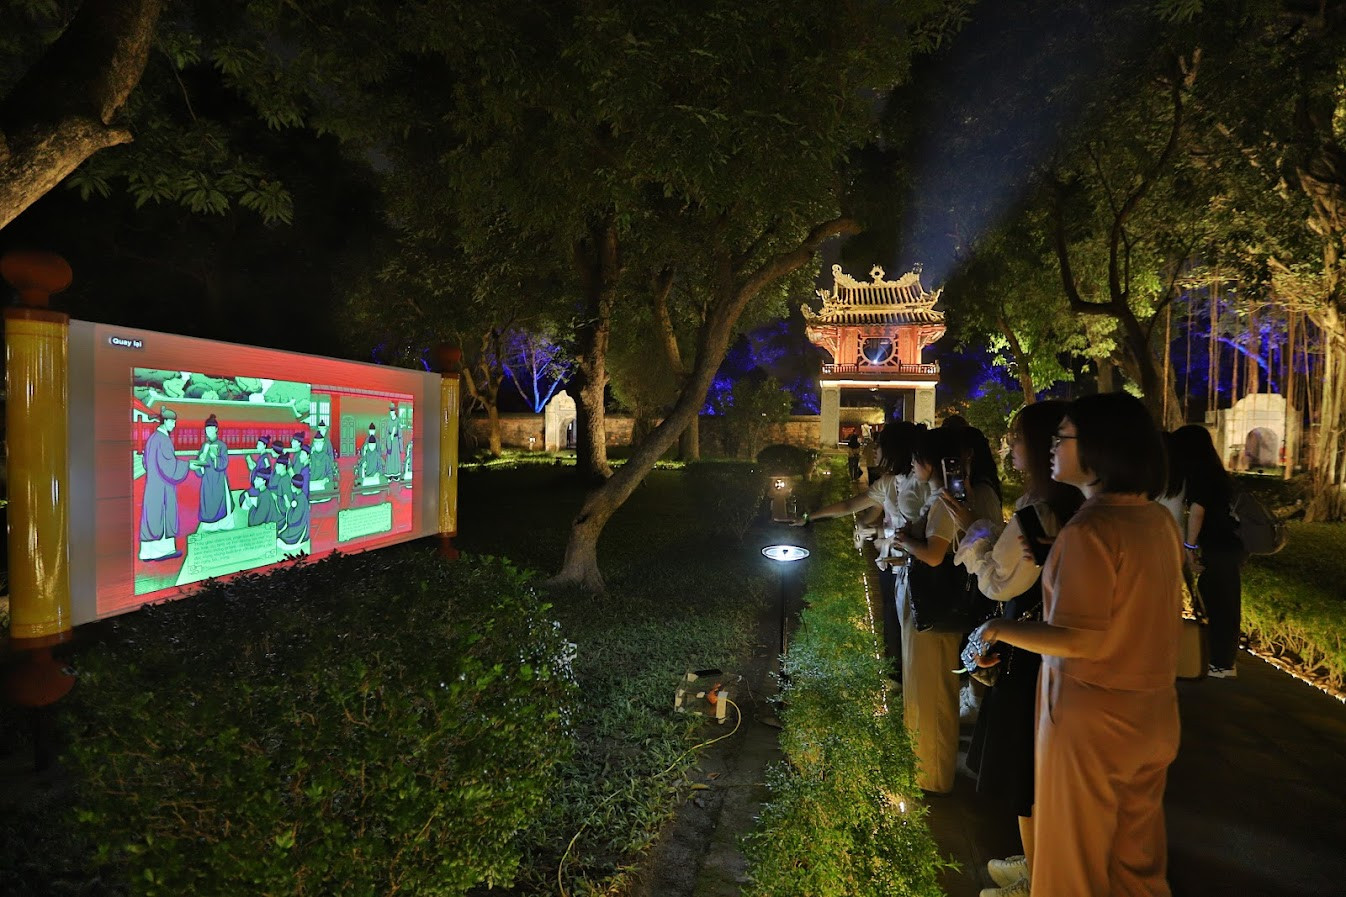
<point>1260,531</point>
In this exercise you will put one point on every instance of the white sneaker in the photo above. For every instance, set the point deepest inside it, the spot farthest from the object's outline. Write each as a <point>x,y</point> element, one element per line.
<point>1009,870</point>
<point>1215,672</point>
<point>969,705</point>
<point>1015,889</point>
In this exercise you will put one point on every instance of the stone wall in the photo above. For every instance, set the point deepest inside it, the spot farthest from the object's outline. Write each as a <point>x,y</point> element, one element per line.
<point>516,428</point>
<point>801,430</point>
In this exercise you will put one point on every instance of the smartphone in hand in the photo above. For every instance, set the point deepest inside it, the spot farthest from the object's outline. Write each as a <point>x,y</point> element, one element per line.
<point>955,481</point>
<point>1031,526</point>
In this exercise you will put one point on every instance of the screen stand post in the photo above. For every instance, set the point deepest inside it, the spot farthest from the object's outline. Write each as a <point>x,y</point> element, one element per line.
<point>37,345</point>
<point>450,400</point>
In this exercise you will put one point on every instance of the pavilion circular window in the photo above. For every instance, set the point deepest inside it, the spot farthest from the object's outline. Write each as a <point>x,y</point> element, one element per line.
<point>878,350</point>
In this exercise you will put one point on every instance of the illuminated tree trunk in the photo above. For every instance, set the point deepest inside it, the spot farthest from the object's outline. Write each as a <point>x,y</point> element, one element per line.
<point>689,443</point>
<point>1022,360</point>
<point>1328,474</point>
<point>597,262</point>
<point>1292,417</point>
<point>481,381</point>
<point>733,291</point>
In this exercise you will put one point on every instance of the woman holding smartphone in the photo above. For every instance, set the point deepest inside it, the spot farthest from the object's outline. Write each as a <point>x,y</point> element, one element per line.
<point>929,688</point>
<point>902,498</point>
<point>1107,709</point>
<point>1002,745</point>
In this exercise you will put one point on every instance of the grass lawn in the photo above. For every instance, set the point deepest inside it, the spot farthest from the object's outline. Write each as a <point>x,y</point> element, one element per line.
<point>680,597</point>
<point>1294,602</point>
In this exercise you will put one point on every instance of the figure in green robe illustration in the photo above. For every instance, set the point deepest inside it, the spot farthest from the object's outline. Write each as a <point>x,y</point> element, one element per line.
<point>212,466</point>
<point>263,504</point>
<point>293,536</point>
<point>391,444</point>
<point>322,463</point>
<point>369,466</point>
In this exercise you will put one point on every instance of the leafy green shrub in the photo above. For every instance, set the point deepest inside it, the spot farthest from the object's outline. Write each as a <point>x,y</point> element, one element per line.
<point>1292,601</point>
<point>729,495</point>
<point>845,815</point>
<point>785,460</point>
<point>372,724</point>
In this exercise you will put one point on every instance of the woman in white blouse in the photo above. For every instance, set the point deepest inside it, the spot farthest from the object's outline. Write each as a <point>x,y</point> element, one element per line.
<point>901,496</point>
<point>1007,570</point>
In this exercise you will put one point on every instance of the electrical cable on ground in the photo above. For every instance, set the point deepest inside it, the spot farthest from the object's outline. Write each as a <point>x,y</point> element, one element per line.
<point>738,719</point>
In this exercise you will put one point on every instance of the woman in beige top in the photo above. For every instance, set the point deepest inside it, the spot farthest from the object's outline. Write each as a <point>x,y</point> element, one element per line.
<point>929,659</point>
<point>1107,715</point>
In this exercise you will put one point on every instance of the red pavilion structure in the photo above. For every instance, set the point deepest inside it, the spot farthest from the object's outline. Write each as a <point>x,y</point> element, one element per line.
<point>875,333</point>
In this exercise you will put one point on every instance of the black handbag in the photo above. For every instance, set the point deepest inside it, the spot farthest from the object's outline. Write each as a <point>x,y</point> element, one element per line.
<point>945,598</point>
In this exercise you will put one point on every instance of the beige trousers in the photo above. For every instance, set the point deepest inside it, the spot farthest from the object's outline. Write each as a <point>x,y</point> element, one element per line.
<point>1102,761</point>
<point>929,695</point>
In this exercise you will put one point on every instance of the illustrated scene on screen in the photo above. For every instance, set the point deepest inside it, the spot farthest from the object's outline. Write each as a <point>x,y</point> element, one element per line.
<point>233,473</point>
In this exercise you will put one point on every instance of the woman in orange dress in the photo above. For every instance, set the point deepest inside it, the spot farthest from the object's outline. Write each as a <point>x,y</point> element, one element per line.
<point>1107,709</point>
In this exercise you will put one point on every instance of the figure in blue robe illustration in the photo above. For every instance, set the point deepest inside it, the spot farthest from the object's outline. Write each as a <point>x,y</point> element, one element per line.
<point>392,444</point>
<point>261,459</point>
<point>212,466</point>
<point>164,470</point>
<point>300,461</point>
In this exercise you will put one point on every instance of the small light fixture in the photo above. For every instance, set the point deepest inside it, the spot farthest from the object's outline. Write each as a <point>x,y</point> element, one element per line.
<point>780,484</point>
<point>785,553</point>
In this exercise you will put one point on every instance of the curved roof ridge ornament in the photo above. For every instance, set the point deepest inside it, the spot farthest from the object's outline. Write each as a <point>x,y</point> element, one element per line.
<point>874,301</point>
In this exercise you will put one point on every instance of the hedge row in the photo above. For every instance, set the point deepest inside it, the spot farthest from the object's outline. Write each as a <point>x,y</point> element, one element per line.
<point>845,815</point>
<point>370,724</point>
<point>1293,604</point>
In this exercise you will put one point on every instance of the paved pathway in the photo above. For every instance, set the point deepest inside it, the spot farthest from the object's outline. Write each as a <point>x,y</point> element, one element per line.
<point>1256,800</point>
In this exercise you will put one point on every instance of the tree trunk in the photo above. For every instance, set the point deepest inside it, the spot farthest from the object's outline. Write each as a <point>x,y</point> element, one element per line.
<point>1022,360</point>
<point>596,260</point>
<point>493,429</point>
<point>591,446</point>
<point>61,111</point>
<point>1328,471</point>
<point>689,443</point>
<point>734,291</point>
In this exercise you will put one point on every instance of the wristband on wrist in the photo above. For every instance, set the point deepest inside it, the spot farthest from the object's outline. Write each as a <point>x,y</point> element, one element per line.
<point>1189,546</point>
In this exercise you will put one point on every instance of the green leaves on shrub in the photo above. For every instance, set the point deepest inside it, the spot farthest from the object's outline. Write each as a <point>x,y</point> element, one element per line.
<point>845,818</point>
<point>367,725</point>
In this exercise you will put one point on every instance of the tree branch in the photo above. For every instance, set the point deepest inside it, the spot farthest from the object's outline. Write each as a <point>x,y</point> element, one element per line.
<point>1148,179</point>
<point>61,111</point>
<point>1077,302</point>
<point>663,286</point>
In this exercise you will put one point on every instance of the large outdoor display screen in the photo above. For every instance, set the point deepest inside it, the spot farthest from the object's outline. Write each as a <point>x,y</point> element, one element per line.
<point>194,459</point>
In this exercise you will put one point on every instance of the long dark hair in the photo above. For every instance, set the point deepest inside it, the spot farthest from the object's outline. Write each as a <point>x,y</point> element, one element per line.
<point>1197,464</point>
<point>895,444</point>
<point>981,466</point>
<point>1118,441</point>
<point>933,445</point>
<point>1035,425</point>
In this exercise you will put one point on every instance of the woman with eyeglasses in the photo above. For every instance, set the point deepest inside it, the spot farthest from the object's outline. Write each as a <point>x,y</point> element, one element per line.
<point>1107,709</point>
